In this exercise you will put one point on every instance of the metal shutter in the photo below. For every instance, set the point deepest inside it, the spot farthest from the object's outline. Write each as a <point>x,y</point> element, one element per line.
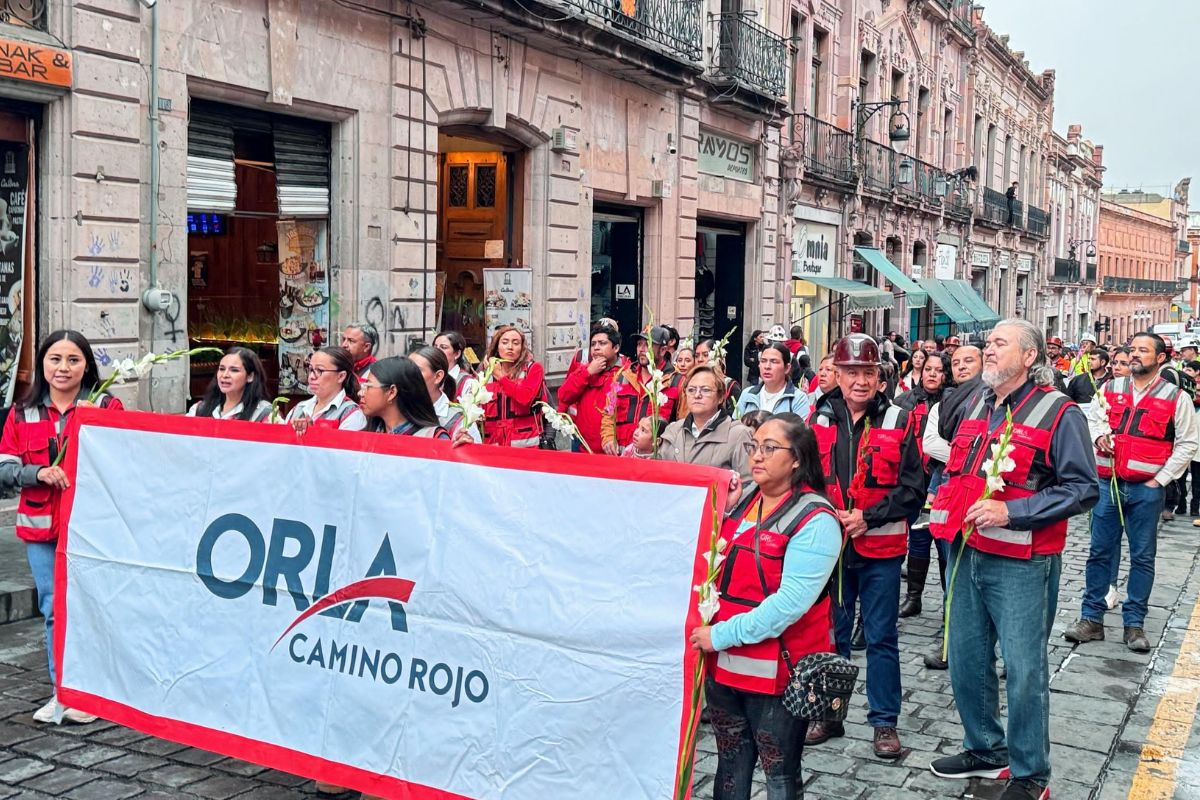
<point>302,168</point>
<point>210,177</point>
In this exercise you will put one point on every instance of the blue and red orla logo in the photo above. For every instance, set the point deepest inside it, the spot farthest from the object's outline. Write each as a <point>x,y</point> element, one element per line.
<point>285,556</point>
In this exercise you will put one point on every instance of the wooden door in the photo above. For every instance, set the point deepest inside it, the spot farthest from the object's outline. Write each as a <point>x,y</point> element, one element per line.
<point>474,213</point>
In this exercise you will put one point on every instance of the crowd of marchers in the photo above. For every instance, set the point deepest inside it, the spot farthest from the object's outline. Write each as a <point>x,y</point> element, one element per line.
<point>847,475</point>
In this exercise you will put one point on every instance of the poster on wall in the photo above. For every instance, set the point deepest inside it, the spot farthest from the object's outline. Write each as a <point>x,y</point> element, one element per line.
<point>508,300</point>
<point>303,299</point>
<point>14,189</point>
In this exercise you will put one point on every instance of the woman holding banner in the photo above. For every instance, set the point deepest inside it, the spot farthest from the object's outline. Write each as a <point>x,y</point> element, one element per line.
<point>517,383</point>
<point>334,384</point>
<point>396,400</point>
<point>784,544</point>
<point>238,391</point>
<point>64,372</point>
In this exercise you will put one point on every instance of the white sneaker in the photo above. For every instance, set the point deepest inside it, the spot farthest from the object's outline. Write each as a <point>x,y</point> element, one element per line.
<point>76,716</point>
<point>1113,598</point>
<point>47,712</point>
<point>54,712</point>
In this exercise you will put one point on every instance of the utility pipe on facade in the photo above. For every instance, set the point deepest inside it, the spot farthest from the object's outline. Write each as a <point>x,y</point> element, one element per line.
<point>154,299</point>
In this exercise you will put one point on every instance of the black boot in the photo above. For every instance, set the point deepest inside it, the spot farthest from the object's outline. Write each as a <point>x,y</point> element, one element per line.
<point>918,569</point>
<point>933,659</point>
<point>858,640</point>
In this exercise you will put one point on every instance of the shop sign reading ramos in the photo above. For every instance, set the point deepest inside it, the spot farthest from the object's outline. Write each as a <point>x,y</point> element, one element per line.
<point>728,158</point>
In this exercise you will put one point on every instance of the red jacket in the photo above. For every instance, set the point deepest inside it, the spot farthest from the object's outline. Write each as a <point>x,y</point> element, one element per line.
<point>511,419</point>
<point>30,437</point>
<point>589,395</point>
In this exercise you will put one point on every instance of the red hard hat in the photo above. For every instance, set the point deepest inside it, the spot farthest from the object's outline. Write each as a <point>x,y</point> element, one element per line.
<point>952,341</point>
<point>856,350</point>
<point>1054,340</point>
<point>1167,342</point>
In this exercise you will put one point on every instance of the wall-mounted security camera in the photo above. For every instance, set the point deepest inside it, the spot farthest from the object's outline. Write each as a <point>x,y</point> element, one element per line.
<point>671,148</point>
<point>148,3</point>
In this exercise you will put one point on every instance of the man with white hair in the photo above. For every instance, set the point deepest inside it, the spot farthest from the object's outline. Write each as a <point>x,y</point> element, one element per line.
<point>1011,548</point>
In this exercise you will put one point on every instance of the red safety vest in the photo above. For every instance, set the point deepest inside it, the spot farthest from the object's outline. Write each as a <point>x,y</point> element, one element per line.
<point>884,445</point>
<point>36,431</point>
<point>917,419</point>
<point>508,422</point>
<point>633,404</point>
<point>1143,432</point>
<point>746,581</point>
<point>1034,421</point>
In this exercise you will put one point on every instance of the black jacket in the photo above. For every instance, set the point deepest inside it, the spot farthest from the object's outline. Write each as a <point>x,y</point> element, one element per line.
<point>901,502</point>
<point>952,400</point>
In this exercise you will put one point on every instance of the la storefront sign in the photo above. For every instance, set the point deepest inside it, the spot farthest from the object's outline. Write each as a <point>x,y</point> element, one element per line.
<point>383,612</point>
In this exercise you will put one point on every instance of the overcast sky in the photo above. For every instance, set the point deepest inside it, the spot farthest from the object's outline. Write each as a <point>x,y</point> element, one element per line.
<point>1123,71</point>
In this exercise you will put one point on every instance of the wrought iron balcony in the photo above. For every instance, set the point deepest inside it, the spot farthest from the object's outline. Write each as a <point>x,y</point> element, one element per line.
<point>747,54</point>
<point>24,13</point>
<point>960,12</point>
<point>878,167</point>
<point>826,151</point>
<point>1066,270</point>
<point>1140,286</point>
<point>1182,246</point>
<point>958,203</point>
<point>1037,223</point>
<point>993,208</point>
<point>1091,274</point>
<point>922,184</point>
<point>673,25</point>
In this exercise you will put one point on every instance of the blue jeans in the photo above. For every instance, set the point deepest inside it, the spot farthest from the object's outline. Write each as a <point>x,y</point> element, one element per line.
<point>1013,601</point>
<point>750,728</point>
<point>875,583</point>
<point>41,564</point>
<point>1142,506</point>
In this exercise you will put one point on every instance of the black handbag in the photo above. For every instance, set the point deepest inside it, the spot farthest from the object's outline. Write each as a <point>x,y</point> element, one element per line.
<point>820,684</point>
<point>820,687</point>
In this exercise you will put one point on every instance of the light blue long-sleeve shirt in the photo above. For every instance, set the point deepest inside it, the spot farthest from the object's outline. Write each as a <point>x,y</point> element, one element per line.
<point>808,562</point>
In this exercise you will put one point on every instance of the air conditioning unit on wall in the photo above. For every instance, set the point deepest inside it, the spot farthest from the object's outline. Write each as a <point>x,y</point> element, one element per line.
<point>566,140</point>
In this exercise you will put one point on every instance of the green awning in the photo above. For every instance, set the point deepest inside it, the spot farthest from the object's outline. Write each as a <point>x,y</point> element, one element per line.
<point>946,302</point>
<point>915,295</point>
<point>970,300</point>
<point>1182,305</point>
<point>859,296</point>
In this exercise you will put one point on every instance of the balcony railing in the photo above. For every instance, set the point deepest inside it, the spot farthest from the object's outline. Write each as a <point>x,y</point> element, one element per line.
<point>879,167</point>
<point>673,25</point>
<point>1091,274</point>
<point>924,182</point>
<point>960,12</point>
<point>958,202</point>
<point>24,13</point>
<point>993,207</point>
<point>1140,286</point>
<point>1066,270</point>
<point>827,150</point>
<point>1182,246</point>
<point>748,54</point>
<point>1038,223</point>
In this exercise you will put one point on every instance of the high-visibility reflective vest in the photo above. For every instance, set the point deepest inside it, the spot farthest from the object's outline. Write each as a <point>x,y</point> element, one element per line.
<point>1035,419</point>
<point>746,581</point>
<point>512,421</point>
<point>884,446</point>
<point>1143,432</point>
<point>633,403</point>
<point>38,438</point>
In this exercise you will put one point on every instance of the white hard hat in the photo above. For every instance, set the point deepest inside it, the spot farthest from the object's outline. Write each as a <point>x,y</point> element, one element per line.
<point>777,334</point>
<point>1188,341</point>
<point>1087,337</point>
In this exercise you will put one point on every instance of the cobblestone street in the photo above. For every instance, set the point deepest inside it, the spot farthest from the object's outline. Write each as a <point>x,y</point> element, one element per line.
<point>1105,702</point>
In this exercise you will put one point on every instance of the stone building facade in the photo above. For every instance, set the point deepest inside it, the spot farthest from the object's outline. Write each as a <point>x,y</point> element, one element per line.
<point>1138,270</point>
<point>275,170</point>
<point>1068,298</point>
<point>1012,132</point>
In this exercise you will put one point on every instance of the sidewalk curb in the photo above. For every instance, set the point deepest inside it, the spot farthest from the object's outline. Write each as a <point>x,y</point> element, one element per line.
<point>18,598</point>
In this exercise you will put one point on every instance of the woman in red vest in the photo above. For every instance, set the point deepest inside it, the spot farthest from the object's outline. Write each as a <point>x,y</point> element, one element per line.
<point>64,372</point>
<point>784,539</point>
<point>334,386</point>
<point>518,382</point>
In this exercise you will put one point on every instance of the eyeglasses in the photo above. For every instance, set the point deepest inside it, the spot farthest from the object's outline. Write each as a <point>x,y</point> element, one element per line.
<point>767,450</point>
<point>320,371</point>
<point>365,386</point>
<point>700,391</point>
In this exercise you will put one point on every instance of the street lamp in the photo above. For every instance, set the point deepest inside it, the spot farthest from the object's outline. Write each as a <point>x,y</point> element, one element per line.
<point>898,126</point>
<point>904,174</point>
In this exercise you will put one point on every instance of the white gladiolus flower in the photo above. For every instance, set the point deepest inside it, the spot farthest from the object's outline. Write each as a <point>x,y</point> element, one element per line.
<point>709,603</point>
<point>995,483</point>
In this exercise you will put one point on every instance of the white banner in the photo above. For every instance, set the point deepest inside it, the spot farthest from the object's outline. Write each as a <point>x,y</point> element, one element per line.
<point>381,611</point>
